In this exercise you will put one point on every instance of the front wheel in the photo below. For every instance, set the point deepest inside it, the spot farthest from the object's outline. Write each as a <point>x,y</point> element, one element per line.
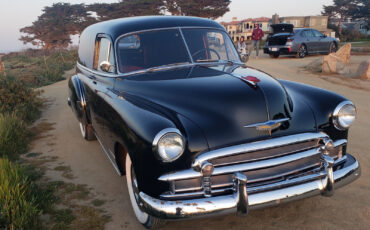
<point>144,218</point>
<point>333,47</point>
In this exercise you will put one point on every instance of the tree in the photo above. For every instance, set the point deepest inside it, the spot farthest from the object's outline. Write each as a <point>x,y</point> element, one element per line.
<point>362,11</point>
<point>53,29</point>
<point>206,8</point>
<point>126,8</point>
<point>344,9</point>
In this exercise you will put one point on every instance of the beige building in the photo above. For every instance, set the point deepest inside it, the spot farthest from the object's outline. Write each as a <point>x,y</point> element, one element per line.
<point>236,28</point>
<point>319,23</point>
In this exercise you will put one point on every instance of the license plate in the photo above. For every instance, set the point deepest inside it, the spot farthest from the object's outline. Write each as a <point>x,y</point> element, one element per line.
<point>274,49</point>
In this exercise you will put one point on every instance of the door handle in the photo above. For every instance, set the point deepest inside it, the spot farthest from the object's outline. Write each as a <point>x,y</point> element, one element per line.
<point>91,77</point>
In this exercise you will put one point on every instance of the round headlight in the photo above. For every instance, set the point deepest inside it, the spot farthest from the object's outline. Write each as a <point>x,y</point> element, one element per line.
<point>344,115</point>
<point>169,144</point>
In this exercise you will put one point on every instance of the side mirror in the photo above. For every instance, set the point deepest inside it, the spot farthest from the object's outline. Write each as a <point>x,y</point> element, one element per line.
<point>105,66</point>
<point>324,36</point>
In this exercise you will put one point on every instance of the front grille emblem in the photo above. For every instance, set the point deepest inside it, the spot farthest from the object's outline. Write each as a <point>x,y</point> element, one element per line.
<point>268,125</point>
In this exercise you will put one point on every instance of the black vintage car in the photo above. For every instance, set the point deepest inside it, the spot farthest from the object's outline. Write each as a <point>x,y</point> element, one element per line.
<point>195,131</point>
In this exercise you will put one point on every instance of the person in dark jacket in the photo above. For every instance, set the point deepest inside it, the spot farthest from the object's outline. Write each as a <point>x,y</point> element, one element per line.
<point>257,35</point>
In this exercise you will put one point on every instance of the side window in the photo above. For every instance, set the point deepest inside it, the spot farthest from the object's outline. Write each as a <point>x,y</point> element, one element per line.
<point>307,33</point>
<point>317,33</point>
<point>103,52</point>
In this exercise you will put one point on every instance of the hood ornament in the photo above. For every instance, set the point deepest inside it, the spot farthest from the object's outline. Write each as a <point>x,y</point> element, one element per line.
<point>250,80</point>
<point>268,125</point>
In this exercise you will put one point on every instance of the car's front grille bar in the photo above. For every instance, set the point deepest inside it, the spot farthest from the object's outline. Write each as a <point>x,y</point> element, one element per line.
<point>257,146</point>
<point>282,159</point>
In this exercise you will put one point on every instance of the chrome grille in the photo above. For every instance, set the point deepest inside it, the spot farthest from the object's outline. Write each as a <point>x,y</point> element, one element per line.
<point>265,154</point>
<point>263,162</point>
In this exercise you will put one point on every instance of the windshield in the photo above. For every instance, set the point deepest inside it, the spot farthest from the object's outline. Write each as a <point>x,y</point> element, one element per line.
<point>158,48</point>
<point>209,45</point>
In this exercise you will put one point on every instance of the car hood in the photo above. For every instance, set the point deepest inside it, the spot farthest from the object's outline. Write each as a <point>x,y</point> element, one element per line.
<point>220,102</point>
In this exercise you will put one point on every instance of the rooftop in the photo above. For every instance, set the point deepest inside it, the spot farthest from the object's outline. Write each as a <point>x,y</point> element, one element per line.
<point>235,22</point>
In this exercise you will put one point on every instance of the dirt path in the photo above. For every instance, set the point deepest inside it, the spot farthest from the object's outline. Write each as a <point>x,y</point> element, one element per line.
<point>349,208</point>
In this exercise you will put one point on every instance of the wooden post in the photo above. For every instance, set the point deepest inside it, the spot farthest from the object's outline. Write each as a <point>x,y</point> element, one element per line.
<point>1,65</point>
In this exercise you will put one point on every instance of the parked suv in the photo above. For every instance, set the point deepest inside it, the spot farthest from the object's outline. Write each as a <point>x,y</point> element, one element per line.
<point>286,40</point>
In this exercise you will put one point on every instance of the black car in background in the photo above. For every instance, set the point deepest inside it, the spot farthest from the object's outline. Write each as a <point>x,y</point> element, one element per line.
<point>285,40</point>
<point>195,131</point>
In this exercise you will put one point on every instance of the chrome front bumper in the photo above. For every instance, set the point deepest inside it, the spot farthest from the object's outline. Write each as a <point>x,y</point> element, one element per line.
<point>263,196</point>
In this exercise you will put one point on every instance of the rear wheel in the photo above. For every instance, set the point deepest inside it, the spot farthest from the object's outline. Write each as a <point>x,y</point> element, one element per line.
<point>87,131</point>
<point>144,218</point>
<point>333,47</point>
<point>302,51</point>
<point>274,55</point>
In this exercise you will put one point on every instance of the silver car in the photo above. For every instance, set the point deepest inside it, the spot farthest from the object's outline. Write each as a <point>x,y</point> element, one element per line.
<point>285,40</point>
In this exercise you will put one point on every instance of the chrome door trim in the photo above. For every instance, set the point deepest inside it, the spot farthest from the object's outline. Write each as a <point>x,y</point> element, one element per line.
<point>80,66</point>
<point>108,155</point>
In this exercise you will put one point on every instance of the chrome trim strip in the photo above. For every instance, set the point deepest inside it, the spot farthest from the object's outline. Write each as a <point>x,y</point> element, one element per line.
<point>194,194</point>
<point>95,71</point>
<point>108,155</point>
<point>201,207</point>
<point>339,142</point>
<point>266,163</point>
<point>340,160</point>
<point>254,189</point>
<point>190,173</point>
<point>255,146</point>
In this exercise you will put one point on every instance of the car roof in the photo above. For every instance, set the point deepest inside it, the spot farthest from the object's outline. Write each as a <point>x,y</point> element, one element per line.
<point>117,27</point>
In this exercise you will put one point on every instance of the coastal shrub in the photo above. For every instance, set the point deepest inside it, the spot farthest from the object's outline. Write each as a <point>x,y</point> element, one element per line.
<point>14,136</point>
<point>18,99</point>
<point>18,202</point>
<point>38,68</point>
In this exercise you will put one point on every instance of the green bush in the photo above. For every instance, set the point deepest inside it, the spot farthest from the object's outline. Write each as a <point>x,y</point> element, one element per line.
<point>39,67</point>
<point>13,136</point>
<point>19,208</point>
<point>16,98</point>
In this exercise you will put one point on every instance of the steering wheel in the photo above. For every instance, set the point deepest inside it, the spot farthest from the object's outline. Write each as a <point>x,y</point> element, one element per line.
<point>211,50</point>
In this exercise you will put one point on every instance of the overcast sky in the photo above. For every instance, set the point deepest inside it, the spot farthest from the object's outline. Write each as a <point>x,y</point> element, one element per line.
<point>15,14</point>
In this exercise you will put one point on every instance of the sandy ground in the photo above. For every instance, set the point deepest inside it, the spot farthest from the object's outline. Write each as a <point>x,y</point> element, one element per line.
<point>349,208</point>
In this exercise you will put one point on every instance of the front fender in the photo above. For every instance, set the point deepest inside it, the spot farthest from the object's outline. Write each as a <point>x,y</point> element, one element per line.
<point>134,122</point>
<point>322,103</point>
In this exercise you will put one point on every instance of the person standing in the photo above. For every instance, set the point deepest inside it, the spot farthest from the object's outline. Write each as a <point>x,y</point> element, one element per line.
<point>257,35</point>
<point>236,42</point>
<point>242,46</point>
